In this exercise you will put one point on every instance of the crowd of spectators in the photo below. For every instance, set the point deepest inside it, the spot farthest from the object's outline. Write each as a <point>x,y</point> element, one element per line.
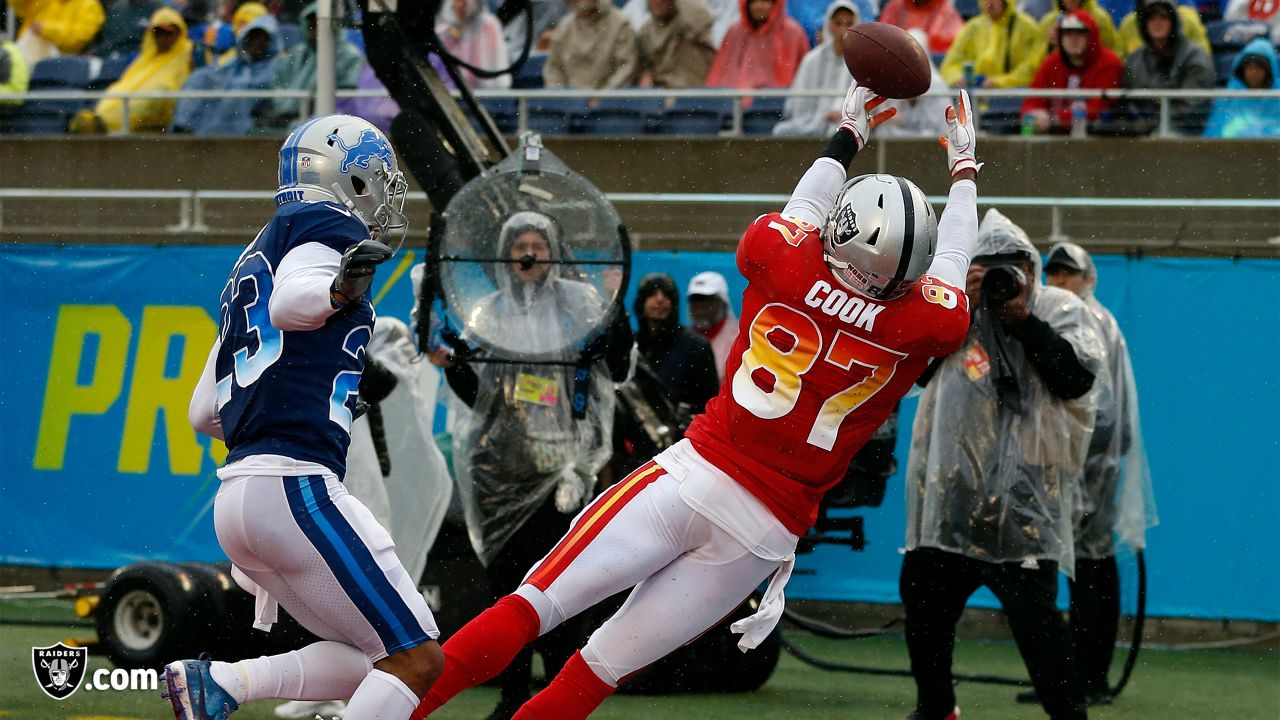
<point>148,45</point>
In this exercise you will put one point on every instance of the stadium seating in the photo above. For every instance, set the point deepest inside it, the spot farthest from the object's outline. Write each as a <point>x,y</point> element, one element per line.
<point>61,73</point>
<point>503,111</point>
<point>613,121</point>
<point>529,75</point>
<point>967,8</point>
<point>110,71</point>
<point>762,115</point>
<point>1001,116</point>
<point>555,116</point>
<point>46,117</point>
<point>290,35</point>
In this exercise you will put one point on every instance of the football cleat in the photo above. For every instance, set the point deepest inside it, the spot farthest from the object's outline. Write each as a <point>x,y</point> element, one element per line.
<point>193,693</point>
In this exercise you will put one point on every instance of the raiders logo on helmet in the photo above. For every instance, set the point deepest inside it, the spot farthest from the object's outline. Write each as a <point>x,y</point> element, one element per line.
<point>846,225</point>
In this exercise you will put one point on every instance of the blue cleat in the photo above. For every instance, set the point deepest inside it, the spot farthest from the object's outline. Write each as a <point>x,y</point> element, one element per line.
<point>193,692</point>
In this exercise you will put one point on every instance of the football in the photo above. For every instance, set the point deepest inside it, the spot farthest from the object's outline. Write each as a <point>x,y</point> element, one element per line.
<point>886,59</point>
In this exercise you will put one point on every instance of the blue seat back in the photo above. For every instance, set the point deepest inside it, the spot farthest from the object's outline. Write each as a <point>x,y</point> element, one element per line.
<point>66,72</point>
<point>614,121</point>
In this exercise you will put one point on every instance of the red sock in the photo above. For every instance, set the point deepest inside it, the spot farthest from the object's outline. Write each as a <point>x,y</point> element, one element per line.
<point>483,648</point>
<point>575,693</point>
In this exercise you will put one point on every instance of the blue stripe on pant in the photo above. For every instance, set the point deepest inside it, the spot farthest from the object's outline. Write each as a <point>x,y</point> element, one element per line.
<point>352,564</point>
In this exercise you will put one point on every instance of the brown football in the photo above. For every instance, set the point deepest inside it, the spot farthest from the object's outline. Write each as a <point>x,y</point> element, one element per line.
<point>886,59</point>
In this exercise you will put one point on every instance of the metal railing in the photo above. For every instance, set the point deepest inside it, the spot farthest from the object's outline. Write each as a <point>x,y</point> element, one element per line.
<point>192,203</point>
<point>740,98</point>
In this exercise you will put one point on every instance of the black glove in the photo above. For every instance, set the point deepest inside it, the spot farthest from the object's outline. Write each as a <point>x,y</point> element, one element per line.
<point>356,272</point>
<point>461,350</point>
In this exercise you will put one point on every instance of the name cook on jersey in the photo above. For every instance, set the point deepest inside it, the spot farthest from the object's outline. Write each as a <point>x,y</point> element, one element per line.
<point>840,304</point>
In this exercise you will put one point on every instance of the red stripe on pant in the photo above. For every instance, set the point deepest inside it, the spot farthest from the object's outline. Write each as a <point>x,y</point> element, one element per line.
<point>592,522</point>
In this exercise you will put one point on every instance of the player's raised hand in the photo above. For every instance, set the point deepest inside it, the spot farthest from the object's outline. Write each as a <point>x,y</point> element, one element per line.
<point>856,113</point>
<point>355,274</point>
<point>961,137</point>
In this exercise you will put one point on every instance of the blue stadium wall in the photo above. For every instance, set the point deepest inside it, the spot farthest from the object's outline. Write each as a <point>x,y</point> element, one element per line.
<point>98,467</point>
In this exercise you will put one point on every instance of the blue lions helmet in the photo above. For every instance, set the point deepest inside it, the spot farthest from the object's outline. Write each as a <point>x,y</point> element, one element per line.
<point>344,159</point>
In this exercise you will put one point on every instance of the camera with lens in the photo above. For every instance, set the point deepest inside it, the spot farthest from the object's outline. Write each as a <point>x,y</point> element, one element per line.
<point>1002,283</point>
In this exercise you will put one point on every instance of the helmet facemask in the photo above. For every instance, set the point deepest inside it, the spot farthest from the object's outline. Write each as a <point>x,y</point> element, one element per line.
<point>381,204</point>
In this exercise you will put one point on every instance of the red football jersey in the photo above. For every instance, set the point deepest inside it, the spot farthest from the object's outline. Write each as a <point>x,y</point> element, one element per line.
<point>816,368</point>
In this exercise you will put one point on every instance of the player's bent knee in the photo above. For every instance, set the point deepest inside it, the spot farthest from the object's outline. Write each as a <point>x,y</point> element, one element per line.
<point>417,667</point>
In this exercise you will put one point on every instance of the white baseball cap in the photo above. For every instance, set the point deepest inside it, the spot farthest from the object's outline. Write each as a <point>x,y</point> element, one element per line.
<point>708,283</point>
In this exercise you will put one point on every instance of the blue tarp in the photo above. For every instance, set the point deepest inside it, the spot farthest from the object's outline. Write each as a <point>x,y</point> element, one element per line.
<point>99,468</point>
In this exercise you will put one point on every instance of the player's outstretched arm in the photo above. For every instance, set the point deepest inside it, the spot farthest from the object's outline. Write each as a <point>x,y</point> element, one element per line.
<point>816,192</point>
<point>202,413</point>
<point>958,226</point>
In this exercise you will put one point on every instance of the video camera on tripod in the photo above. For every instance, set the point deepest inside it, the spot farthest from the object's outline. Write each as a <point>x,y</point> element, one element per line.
<point>863,485</point>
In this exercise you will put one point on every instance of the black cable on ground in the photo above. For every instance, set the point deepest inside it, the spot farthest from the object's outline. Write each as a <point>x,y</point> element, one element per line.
<point>827,630</point>
<point>1139,619</point>
<point>821,664</point>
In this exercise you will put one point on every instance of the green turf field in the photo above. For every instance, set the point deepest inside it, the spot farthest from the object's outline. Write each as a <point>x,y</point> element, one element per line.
<point>1194,685</point>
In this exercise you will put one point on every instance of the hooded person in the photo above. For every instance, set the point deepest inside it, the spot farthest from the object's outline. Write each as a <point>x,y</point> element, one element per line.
<point>227,52</point>
<point>939,20</point>
<point>763,50</point>
<point>296,69</point>
<point>163,65</point>
<point>524,464</point>
<point>1169,61</point>
<point>594,46</point>
<point>1106,27</point>
<point>1115,505</point>
<point>822,68</point>
<point>1081,61</point>
<point>252,69</point>
<point>1255,68</point>
<point>675,44</point>
<point>812,15</point>
<point>1190,26</point>
<point>712,315</point>
<point>996,454</point>
<point>472,34</point>
<point>1003,44</point>
<point>683,359</point>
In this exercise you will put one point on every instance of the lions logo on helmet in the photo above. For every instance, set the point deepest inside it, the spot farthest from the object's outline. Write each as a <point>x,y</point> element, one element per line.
<point>346,160</point>
<point>370,145</point>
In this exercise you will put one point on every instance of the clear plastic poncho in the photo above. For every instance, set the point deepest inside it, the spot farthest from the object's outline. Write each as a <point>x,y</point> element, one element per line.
<point>412,500</point>
<point>520,442</point>
<point>993,471</point>
<point>1116,503</point>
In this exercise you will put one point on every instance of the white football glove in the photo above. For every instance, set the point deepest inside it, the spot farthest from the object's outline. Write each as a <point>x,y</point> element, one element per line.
<point>961,137</point>
<point>856,111</point>
<point>570,491</point>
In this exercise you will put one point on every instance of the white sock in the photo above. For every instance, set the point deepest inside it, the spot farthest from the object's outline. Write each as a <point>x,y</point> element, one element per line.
<point>325,670</point>
<point>382,696</point>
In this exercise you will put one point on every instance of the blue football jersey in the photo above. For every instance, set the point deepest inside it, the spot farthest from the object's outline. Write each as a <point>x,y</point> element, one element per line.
<point>290,393</point>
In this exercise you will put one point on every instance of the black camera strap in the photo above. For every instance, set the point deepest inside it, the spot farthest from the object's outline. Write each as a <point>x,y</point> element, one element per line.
<point>995,339</point>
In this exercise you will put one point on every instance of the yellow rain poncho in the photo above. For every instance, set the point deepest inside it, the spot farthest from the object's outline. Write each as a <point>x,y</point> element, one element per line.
<point>1006,51</point>
<point>68,24</point>
<point>152,70</point>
